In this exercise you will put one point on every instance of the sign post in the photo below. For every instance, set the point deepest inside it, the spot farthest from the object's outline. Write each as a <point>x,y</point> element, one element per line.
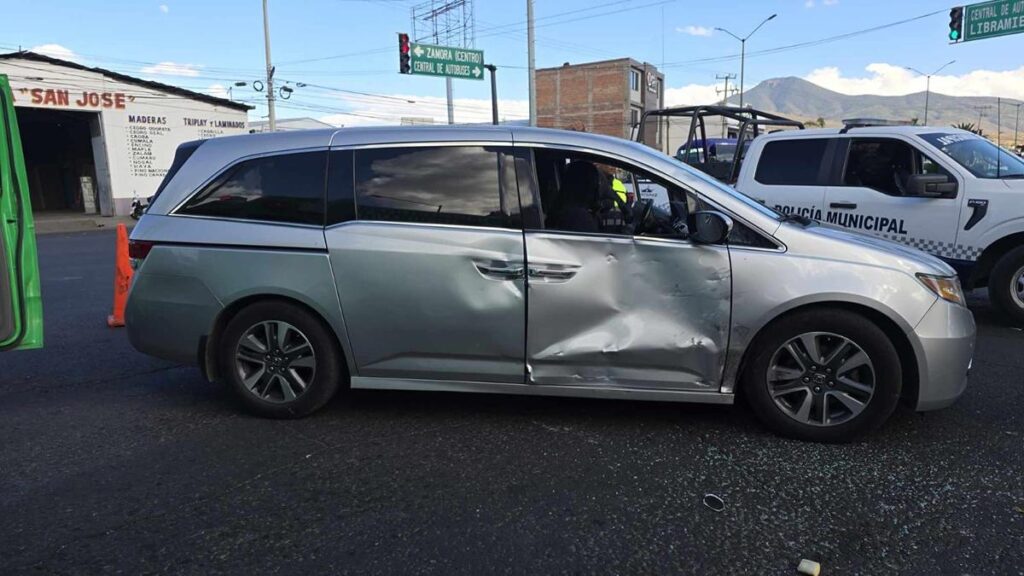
<point>986,20</point>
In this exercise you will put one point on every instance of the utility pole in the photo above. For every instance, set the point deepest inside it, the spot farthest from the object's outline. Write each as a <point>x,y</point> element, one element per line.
<point>928,84</point>
<point>725,95</point>
<point>532,62</point>
<point>743,49</point>
<point>981,112</point>
<point>272,119</point>
<point>1016,124</point>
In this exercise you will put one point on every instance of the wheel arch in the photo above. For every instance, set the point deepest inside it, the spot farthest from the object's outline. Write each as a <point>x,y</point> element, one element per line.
<point>990,255</point>
<point>910,372</point>
<point>208,346</point>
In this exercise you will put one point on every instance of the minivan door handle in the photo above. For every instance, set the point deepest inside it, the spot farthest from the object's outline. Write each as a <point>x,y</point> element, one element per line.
<point>501,271</point>
<point>843,205</point>
<point>552,274</point>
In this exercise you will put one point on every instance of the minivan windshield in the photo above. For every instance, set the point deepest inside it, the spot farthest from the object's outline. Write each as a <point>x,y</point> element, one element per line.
<point>980,157</point>
<point>763,209</point>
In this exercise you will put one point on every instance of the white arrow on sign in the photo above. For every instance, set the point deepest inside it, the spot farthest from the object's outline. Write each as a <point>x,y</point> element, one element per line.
<point>418,51</point>
<point>476,71</point>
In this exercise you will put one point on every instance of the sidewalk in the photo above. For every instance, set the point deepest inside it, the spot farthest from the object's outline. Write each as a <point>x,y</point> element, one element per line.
<point>57,222</point>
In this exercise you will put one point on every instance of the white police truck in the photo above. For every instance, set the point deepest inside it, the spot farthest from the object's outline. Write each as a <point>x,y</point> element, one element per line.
<point>945,191</point>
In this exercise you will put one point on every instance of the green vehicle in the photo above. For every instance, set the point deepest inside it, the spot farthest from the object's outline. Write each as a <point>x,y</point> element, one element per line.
<point>21,305</point>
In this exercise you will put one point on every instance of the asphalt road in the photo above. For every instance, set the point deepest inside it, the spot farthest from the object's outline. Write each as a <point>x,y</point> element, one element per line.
<point>111,461</point>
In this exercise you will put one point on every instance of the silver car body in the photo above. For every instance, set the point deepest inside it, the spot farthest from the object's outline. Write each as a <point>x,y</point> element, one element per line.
<point>462,308</point>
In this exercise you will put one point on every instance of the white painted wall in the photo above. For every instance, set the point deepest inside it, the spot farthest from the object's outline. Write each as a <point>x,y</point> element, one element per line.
<point>141,126</point>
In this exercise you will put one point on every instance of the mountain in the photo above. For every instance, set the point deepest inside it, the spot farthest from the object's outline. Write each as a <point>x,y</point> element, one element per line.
<point>797,98</point>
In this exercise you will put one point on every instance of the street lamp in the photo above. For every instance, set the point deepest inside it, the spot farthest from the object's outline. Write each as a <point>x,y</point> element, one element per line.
<point>743,48</point>
<point>928,84</point>
<point>238,84</point>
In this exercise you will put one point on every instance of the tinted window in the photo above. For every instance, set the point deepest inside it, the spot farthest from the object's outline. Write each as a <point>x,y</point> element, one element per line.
<point>440,185</point>
<point>791,162</point>
<point>284,188</point>
<point>341,203</point>
<point>885,165</point>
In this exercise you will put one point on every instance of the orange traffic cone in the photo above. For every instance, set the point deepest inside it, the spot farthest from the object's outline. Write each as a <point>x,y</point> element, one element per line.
<point>122,278</point>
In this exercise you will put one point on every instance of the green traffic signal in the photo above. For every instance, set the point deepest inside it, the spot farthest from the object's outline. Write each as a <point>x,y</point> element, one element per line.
<point>954,34</point>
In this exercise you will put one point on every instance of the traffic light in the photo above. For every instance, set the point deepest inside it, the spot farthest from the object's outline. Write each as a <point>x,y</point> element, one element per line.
<point>403,54</point>
<point>956,24</point>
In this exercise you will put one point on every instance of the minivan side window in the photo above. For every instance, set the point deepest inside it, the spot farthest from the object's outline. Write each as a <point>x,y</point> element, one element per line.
<point>282,188</point>
<point>795,162</point>
<point>459,185</point>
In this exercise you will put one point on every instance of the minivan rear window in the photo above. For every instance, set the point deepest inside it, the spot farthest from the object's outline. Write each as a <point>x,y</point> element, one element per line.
<point>793,162</point>
<point>282,188</point>
<point>431,184</point>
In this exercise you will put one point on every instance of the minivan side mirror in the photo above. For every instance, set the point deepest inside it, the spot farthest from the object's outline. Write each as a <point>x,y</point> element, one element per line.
<point>931,186</point>
<point>709,227</point>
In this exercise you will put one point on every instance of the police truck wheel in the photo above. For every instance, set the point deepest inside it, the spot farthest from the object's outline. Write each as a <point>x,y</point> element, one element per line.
<point>1006,285</point>
<point>823,376</point>
<point>282,361</point>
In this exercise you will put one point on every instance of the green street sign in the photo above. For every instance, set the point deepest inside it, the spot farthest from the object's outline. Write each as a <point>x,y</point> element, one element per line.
<point>430,60</point>
<point>991,19</point>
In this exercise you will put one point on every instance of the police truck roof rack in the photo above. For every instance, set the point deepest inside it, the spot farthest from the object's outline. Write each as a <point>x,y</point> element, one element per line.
<point>871,122</point>
<point>750,122</point>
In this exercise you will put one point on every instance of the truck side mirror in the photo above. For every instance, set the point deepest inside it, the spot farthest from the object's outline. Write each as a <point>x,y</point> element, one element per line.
<point>931,186</point>
<point>709,227</point>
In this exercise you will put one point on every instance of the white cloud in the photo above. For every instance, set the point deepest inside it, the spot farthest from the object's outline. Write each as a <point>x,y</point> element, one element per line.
<point>890,80</point>
<point>367,111</point>
<point>217,90</point>
<point>809,4</point>
<point>694,30</point>
<point>172,69</point>
<point>692,94</point>
<point>55,51</point>
<point>164,8</point>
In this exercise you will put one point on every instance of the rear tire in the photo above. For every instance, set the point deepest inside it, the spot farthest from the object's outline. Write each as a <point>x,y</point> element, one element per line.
<point>823,376</point>
<point>1006,286</point>
<point>281,360</point>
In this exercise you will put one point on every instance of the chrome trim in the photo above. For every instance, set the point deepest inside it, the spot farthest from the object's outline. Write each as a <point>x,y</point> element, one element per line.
<point>248,221</point>
<point>369,383</point>
<point>421,225</point>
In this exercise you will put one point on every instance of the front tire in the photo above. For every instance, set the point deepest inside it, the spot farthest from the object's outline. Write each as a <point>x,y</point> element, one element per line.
<point>1006,285</point>
<point>823,375</point>
<point>281,360</point>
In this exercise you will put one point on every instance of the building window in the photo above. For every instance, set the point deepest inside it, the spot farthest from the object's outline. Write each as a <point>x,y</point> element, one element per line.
<point>634,80</point>
<point>435,185</point>
<point>634,116</point>
<point>282,188</point>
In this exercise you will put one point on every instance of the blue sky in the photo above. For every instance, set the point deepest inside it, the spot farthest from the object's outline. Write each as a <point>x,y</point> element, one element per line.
<point>351,45</point>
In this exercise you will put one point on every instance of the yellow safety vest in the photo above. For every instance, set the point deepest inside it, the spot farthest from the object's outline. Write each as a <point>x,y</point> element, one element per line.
<point>619,189</point>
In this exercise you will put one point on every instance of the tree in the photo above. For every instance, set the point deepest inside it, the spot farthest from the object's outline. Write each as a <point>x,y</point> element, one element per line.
<point>969,126</point>
<point>820,122</point>
<point>914,121</point>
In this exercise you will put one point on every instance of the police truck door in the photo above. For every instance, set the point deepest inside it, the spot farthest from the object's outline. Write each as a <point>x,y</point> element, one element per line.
<point>872,191</point>
<point>790,175</point>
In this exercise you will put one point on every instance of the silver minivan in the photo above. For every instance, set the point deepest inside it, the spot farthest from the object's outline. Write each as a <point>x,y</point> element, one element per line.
<point>508,260</point>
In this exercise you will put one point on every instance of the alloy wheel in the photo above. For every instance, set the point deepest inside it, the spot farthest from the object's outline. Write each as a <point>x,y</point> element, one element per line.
<point>275,361</point>
<point>821,379</point>
<point>1017,288</point>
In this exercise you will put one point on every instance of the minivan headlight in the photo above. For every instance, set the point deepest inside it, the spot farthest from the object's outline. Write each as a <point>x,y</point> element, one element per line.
<point>945,287</point>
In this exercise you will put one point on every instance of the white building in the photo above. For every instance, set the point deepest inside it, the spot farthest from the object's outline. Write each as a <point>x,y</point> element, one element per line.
<point>289,125</point>
<point>94,138</point>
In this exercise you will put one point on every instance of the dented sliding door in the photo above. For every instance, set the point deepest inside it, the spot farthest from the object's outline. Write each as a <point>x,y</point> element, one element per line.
<point>626,312</point>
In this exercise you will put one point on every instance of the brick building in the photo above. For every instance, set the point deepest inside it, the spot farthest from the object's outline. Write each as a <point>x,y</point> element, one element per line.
<point>605,97</point>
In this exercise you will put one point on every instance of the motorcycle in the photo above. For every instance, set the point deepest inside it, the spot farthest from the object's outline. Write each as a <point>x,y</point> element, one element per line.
<point>138,208</point>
